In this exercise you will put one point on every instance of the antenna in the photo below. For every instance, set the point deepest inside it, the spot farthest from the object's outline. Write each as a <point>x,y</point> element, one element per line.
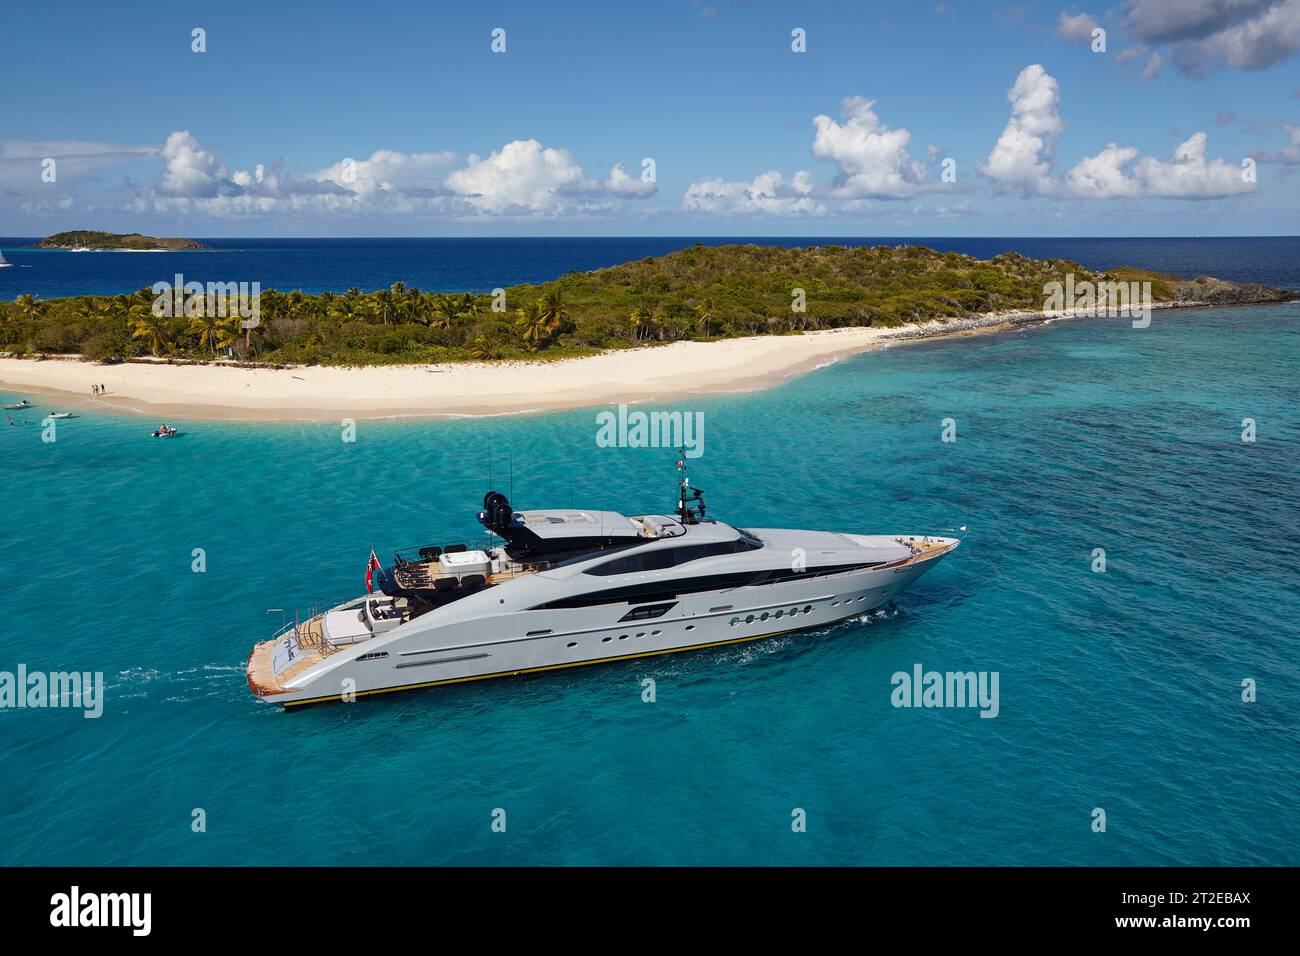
<point>692,512</point>
<point>511,453</point>
<point>489,481</point>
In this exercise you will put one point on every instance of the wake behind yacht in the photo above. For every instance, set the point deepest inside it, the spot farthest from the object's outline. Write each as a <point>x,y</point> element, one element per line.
<point>568,587</point>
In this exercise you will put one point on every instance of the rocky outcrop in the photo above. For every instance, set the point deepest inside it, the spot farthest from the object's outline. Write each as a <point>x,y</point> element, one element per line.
<point>1208,290</point>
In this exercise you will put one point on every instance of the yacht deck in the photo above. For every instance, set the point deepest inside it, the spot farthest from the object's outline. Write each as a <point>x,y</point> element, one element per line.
<point>313,648</point>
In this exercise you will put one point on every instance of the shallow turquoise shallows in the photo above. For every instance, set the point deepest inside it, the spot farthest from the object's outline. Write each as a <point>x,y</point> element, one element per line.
<point>1119,690</point>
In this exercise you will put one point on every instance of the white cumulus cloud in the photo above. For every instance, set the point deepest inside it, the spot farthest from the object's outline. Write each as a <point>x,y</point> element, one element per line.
<point>526,178</point>
<point>872,159</point>
<point>523,178</point>
<point>190,170</point>
<point>1189,175</point>
<point>1077,28</point>
<point>1021,161</point>
<point>769,193</point>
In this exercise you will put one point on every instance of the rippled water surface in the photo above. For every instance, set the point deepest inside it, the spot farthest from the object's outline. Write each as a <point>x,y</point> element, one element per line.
<point>1119,690</point>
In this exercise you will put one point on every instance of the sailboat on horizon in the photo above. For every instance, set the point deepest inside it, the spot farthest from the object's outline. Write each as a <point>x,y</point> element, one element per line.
<point>4,264</point>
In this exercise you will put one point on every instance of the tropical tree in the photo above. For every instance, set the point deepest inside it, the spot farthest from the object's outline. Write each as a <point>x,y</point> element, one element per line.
<point>484,348</point>
<point>552,309</point>
<point>532,325</point>
<point>704,316</point>
<point>228,332</point>
<point>637,324</point>
<point>153,330</point>
<point>29,306</point>
<point>208,327</point>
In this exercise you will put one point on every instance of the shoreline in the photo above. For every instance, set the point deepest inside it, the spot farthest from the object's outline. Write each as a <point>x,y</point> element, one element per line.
<point>214,391</point>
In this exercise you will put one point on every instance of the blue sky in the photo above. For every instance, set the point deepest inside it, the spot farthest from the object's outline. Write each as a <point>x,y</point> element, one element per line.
<point>446,137</point>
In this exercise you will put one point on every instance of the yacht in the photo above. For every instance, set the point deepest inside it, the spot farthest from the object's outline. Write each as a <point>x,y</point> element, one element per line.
<point>4,264</point>
<point>560,588</point>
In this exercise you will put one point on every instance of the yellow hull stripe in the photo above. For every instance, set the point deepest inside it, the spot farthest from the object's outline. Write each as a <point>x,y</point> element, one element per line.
<point>553,667</point>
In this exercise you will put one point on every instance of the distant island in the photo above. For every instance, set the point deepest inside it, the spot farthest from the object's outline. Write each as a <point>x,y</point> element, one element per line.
<point>703,294</point>
<point>113,241</point>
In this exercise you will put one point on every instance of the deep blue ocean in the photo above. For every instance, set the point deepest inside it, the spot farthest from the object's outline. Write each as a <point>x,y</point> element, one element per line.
<point>480,265</point>
<point>1119,690</point>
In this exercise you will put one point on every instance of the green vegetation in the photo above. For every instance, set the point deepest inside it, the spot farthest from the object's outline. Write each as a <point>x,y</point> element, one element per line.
<point>1162,283</point>
<point>697,293</point>
<point>112,240</point>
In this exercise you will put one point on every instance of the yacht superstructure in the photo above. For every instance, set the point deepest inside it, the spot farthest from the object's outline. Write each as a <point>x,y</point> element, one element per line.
<point>569,587</point>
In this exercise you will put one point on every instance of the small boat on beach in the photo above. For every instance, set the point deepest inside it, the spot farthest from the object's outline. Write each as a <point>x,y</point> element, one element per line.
<point>165,431</point>
<point>60,414</point>
<point>19,405</point>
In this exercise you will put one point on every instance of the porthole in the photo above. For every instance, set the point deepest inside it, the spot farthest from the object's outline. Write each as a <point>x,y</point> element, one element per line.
<point>657,633</point>
<point>764,616</point>
<point>734,622</point>
<point>781,613</point>
<point>623,637</point>
<point>691,627</point>
<point>573,644</point>
<point>807,608</point>
<point>794,610</point>
<point>835,603</point>
<point>642,634</point>
<point>605,640</point>
<point>749,619</point>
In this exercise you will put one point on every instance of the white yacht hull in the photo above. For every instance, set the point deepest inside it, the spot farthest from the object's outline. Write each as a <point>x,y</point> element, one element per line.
<point>481,644</point>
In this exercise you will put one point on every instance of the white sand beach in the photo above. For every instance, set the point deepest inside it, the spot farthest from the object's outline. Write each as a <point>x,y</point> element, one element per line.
<point>468,388</point>
<point>656,373</point>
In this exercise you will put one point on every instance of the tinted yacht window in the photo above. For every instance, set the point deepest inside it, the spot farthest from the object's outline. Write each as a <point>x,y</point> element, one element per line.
<point>658,559</point>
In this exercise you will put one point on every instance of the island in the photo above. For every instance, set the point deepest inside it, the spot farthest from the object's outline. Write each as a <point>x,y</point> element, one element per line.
<point>114,242</point>
<point>697,320</point>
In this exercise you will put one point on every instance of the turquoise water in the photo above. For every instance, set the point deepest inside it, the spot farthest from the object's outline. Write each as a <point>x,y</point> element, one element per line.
<point>1118,690</point>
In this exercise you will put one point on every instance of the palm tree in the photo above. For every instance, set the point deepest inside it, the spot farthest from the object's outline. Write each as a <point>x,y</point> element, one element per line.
<point>658,321</point>
<point>532,325</point>
<point>704,315</point>
<point>84,308</point>
<point>208,328</point>
<point>385,299</point>
<point>553,310</point>
<point>484,348</point>
<point>153,329</point>
<point>228,333</point>
<point>636,323</point>
<point>465,304</point>
<point>29,306</point>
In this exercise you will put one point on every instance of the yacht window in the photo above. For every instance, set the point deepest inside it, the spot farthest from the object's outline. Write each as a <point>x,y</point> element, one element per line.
<point>646,611</point>
<point>661,558</point>
<point>652,591</point>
